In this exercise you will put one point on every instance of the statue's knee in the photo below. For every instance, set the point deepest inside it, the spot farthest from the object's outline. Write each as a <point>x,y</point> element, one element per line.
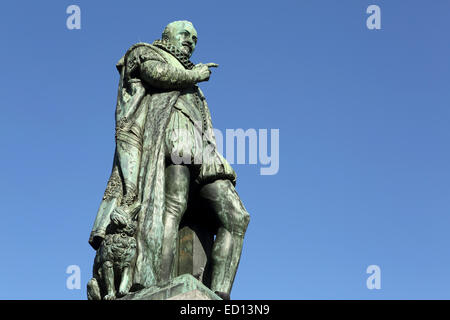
<point>241,222</point>
<point>246,219</point>
<point>173,214</point>
<point>177,190</point>
<point>234,206</point>
<point>223,184</point>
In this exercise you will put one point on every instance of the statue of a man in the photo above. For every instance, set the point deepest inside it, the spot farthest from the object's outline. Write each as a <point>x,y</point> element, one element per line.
<point>165,148</point>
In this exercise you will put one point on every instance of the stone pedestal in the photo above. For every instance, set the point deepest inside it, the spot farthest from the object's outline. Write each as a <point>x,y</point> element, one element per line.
<point>184,287</point>
<point>194,253</point>
<point>191,273</point>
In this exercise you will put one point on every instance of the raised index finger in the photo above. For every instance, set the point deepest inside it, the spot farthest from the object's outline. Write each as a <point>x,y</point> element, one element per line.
<point>211,65</point>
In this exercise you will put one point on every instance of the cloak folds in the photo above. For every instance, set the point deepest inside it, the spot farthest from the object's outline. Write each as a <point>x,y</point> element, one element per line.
<point>150,183</point>
<point>156,107</point>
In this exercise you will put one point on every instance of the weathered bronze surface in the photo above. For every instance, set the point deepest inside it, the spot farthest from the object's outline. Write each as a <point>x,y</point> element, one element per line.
<point>170,191</point>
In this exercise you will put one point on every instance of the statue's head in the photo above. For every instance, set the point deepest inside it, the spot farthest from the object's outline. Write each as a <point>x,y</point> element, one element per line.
<point>182,35</point>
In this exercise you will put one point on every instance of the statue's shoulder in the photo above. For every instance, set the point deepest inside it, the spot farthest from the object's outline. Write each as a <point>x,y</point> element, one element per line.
<point>142,47</point>
<point>140,52</point>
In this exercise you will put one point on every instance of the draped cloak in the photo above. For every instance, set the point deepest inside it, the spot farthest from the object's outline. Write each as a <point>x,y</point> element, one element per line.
<point>156,106</point>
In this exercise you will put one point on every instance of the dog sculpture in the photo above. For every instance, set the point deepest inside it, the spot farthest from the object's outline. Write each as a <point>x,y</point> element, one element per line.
<point>112,272</point>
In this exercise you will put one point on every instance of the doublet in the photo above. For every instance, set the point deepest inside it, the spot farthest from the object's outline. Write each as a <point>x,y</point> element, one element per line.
<point>189,133</point>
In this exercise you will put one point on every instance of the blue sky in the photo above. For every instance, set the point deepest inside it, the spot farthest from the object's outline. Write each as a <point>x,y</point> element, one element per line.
<point>363,117</point>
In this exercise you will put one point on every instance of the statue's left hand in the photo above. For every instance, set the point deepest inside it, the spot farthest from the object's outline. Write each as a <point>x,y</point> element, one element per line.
<point>119,219</point>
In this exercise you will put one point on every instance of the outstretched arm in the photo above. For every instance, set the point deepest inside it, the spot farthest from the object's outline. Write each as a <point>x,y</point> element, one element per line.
<point>165,76</point>
<point>154,70</point>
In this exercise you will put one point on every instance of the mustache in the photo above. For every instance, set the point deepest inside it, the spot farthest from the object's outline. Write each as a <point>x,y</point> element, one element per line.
<point>184,43</point>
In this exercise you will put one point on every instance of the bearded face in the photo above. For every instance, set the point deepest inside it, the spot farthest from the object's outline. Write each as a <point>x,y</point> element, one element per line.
<point>182,35</point>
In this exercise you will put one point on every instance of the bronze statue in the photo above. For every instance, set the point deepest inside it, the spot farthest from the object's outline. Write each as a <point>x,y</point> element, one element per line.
<point>165,159</point>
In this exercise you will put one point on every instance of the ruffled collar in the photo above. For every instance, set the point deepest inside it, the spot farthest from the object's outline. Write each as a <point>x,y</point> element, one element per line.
<point>170,48</point>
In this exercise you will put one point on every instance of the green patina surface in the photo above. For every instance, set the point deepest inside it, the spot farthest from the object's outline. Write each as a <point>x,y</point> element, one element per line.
<point>165,162</point>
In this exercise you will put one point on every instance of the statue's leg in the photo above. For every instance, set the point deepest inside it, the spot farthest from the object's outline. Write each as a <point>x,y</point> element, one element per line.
<point>223,200</point>
<point>124,286</point>
<point>108,277</point>
<point>177,179</point>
